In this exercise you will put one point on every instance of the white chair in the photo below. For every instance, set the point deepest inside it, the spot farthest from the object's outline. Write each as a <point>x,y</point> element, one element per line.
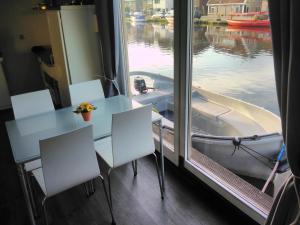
<point>68,160</point>
<point>32,103</point>
<point>86,91</point>
<point>131,139</point>
<point>29,104</point>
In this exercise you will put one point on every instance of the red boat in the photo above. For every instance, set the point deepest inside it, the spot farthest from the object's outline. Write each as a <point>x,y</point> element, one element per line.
<point>249,23</point>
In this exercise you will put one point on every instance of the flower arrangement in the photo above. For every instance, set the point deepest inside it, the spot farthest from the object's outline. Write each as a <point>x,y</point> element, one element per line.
<point>85,109</point>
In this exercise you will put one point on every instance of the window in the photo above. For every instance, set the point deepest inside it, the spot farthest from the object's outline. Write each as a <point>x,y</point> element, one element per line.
<point>213,10</point>
<point>241,8</point>
<point>156,1</point>
<point>230,109</point>
<point>234,123</point>
<point>151,68</point>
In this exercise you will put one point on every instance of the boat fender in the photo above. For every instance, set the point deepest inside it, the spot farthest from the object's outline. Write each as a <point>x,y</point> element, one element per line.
<point>236,141</point>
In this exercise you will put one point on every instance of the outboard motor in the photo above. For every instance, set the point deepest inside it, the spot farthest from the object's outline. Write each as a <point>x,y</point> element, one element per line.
<point>140,85</point>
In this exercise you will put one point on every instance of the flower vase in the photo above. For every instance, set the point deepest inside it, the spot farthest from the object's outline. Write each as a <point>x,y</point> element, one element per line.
<point>87,116</point>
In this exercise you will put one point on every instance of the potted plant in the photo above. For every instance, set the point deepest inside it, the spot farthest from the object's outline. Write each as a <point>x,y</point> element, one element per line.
<point>85,109</point>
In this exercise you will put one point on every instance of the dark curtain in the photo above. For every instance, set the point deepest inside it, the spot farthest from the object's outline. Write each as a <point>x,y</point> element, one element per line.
<point>106,24</point>
<point>285,24</point>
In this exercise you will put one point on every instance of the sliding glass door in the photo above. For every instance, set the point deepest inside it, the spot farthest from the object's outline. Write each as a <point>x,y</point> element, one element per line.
<point>214,84</point>
<point>149,27</point>
<point>234,122</point>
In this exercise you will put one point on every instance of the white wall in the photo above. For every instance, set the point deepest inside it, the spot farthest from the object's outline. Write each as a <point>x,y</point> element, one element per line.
<point>21,68</point>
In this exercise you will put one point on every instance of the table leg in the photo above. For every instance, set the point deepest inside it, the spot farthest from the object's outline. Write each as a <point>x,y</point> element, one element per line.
<point>22,174</point>
<point>162,163</point>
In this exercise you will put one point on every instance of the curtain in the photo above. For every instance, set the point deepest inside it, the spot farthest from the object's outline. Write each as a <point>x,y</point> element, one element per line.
<point>109,17</point>
<point>285,24</point>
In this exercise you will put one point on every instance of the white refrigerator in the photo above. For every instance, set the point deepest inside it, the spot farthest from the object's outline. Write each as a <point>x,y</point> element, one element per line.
<point>75,46</point>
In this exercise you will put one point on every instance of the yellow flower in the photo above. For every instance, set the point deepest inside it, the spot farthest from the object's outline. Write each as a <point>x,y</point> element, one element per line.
<point>89,108</point>
<point>85,107</point>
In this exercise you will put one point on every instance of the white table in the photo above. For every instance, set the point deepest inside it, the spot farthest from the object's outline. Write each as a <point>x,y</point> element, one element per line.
<point>24,134</point>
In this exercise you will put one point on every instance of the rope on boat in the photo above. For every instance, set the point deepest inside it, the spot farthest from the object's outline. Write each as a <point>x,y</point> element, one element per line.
<point>237,143</point>
<point>257,158</point>
<point>263,156</point>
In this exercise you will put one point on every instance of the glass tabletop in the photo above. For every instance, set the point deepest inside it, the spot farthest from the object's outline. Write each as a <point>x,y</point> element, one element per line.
<point>24,134</point>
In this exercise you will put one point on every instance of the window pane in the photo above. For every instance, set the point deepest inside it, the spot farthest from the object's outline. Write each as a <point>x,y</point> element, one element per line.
<point>150,28</point>
<point>235,122</point>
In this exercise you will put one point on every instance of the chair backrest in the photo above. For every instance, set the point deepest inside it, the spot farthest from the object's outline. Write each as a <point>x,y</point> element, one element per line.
<point>132,135</point>
<point>86,91</point>
<point>32,103</point>
<point>68,160</point>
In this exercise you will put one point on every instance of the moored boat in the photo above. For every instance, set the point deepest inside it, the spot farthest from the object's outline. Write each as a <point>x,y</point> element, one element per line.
<point>240,136</point>
<point>250,19</point>
<point>248,23</point>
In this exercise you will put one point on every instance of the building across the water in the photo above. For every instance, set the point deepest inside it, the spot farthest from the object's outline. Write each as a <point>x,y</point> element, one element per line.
<point>200,5</point>
<point>148,6</point>
<point>163,5</point>
<point>225,8</point>
<point>264,6</point>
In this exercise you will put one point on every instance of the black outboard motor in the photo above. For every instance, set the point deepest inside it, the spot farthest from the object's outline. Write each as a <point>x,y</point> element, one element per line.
<point>140,85</point>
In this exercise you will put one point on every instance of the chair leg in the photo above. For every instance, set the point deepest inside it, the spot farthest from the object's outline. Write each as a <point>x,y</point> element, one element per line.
<point>86,189</point>
<point>109,186</point>
<point>93,186</point>
<point>89,188</point>
<point>159,177</point>
<point>134,167</point>
<point>45,211</point>
<point>109,202</point>
<point>31,196</point>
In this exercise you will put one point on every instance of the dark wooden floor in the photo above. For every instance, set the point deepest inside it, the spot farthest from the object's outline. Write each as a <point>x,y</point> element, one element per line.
<point>136,200</point>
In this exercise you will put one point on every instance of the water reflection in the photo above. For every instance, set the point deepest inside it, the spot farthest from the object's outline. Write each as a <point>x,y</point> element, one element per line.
<point>245,42</point>
<point>150,35</point>
<point>227,60</point>
<point>236,41</point>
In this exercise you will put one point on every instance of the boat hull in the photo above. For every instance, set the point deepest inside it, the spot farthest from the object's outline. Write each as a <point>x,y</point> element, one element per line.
<point>241,160</point>
<point>249,23</point>
<point>216,124</point>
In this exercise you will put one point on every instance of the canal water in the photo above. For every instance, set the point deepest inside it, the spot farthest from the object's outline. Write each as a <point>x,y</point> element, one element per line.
<point>231,61</point>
